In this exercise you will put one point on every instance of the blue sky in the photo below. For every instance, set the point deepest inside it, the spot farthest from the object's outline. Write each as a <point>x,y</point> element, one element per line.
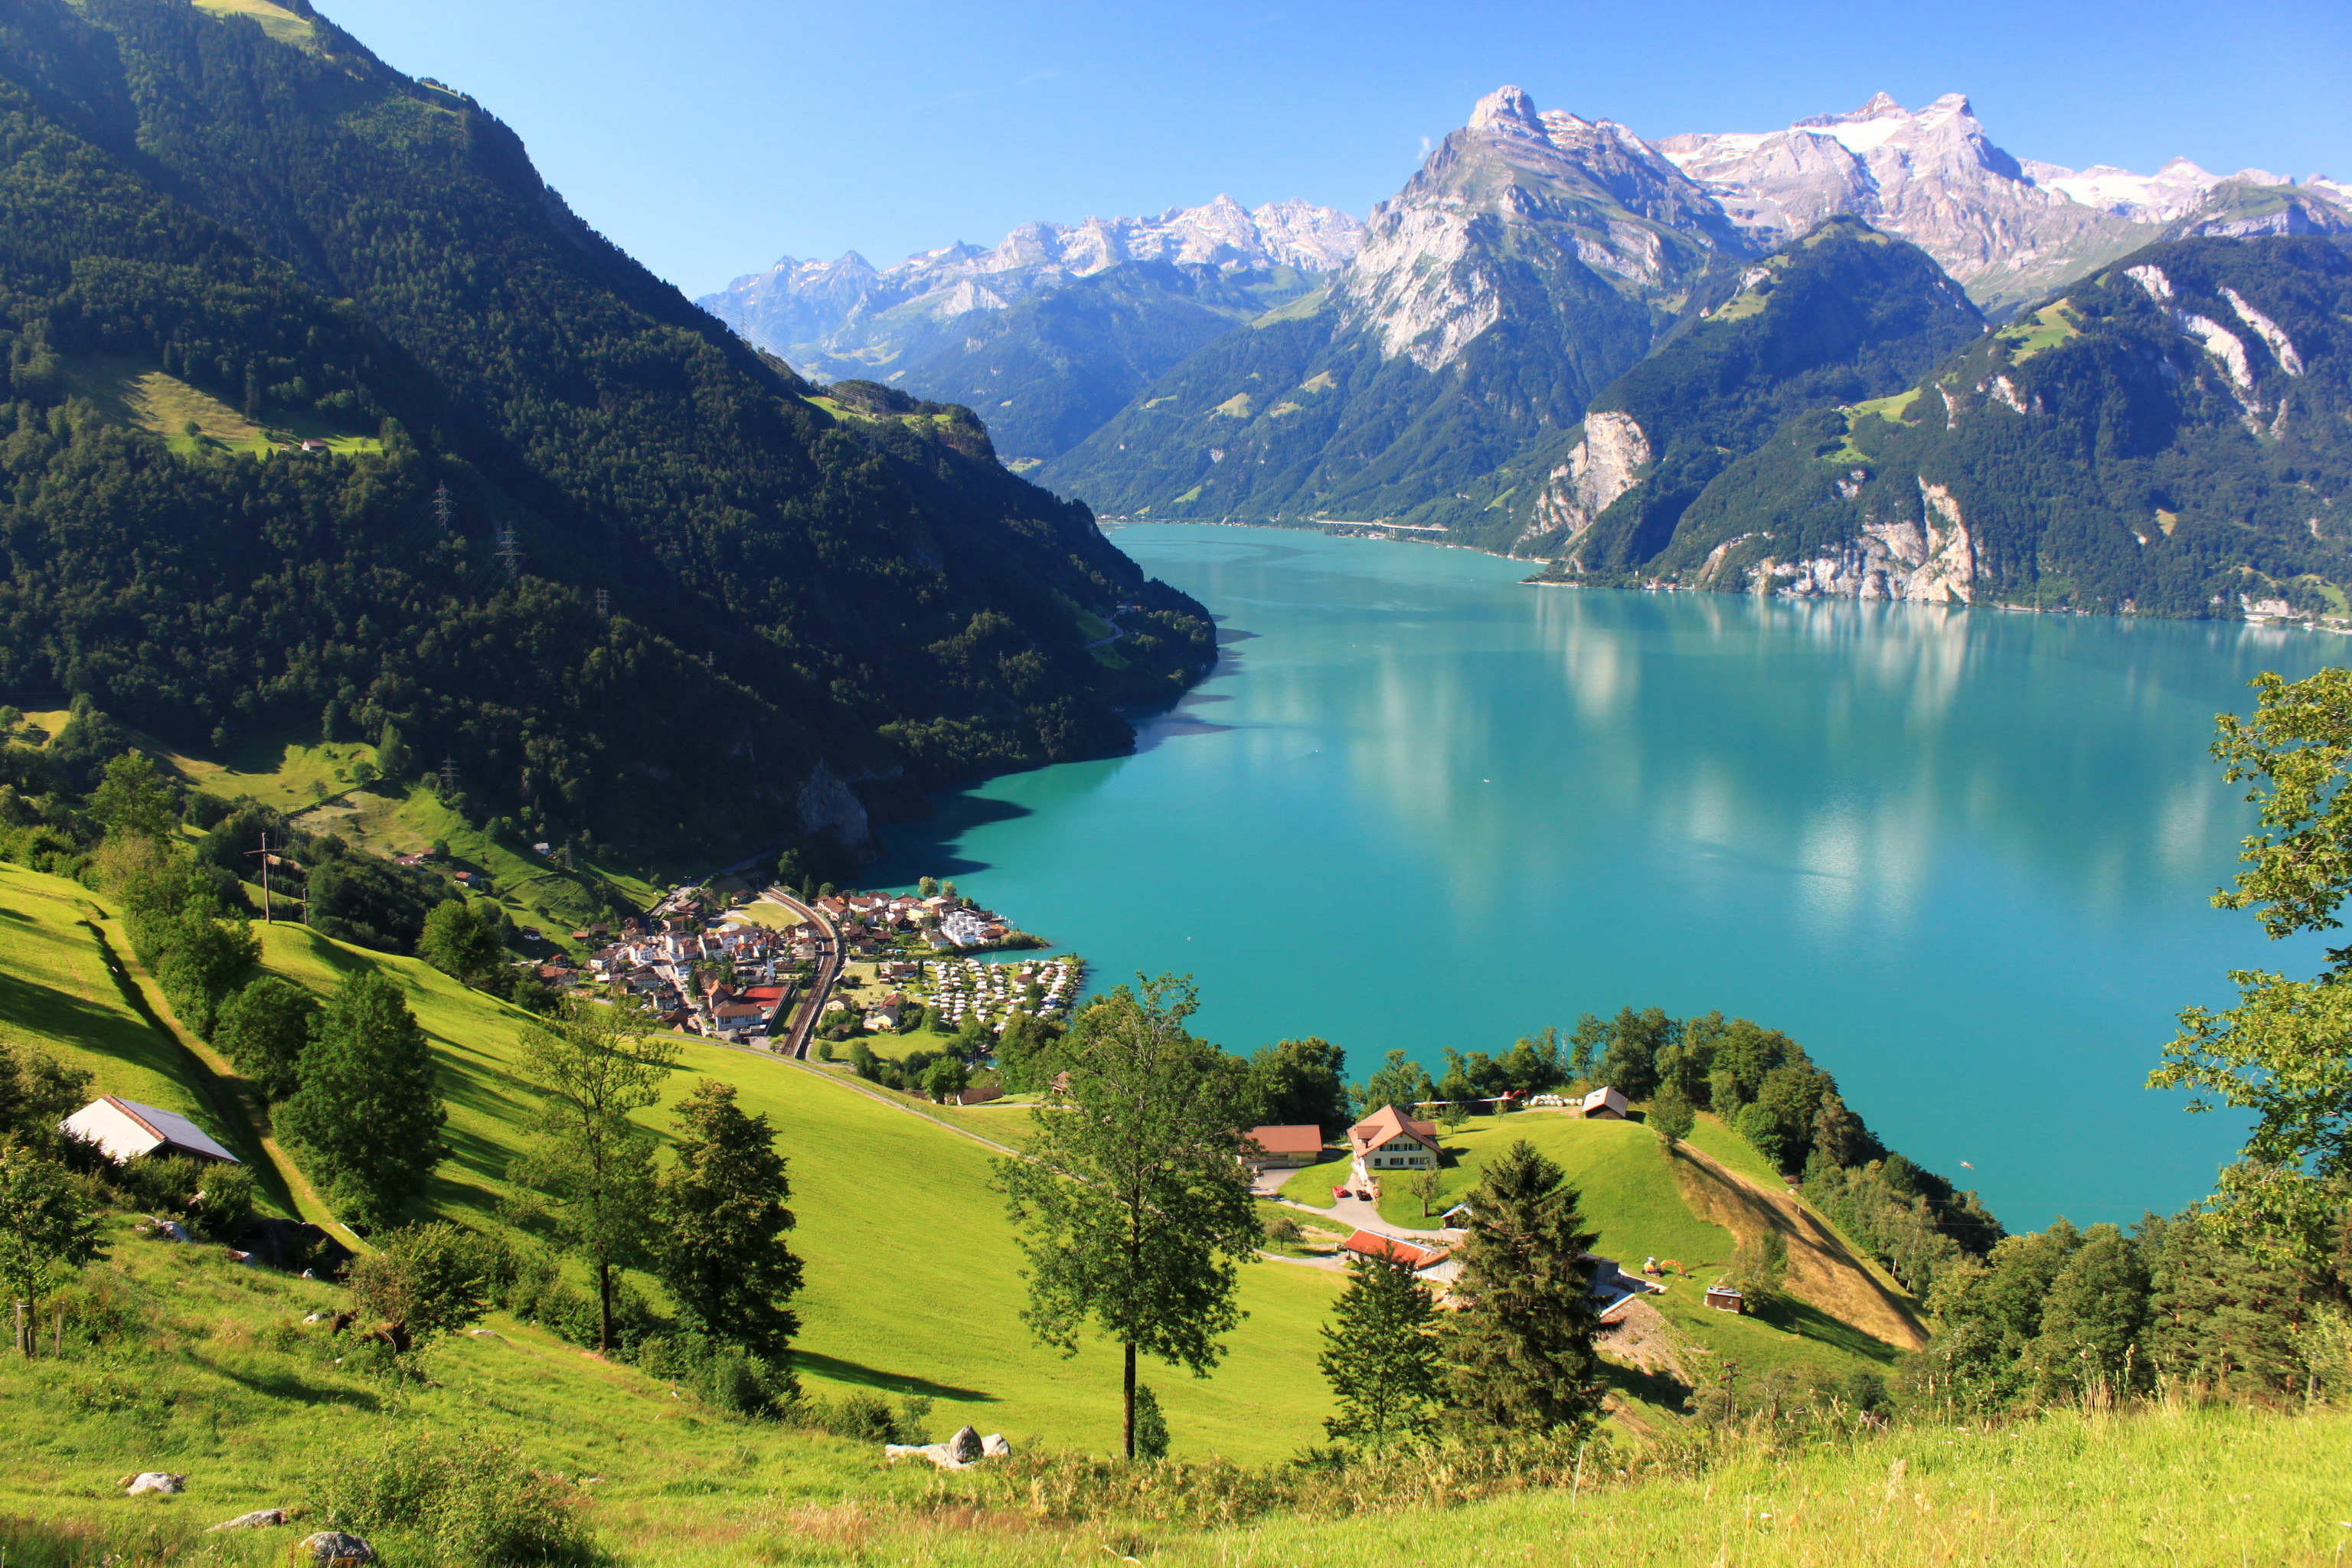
<point>709,137</point>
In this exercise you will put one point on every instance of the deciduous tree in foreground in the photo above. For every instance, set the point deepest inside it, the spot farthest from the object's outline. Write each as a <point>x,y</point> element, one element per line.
<point>2285,1051</point>
<point>589,1167</point>
<point>1133,1206</point>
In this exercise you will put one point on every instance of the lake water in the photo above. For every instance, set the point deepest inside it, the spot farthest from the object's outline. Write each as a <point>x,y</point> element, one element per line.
<point>1964,856</point>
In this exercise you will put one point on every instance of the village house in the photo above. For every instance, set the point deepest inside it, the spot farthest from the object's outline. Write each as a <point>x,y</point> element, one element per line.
<point>1604,1104</point>
<point>1419,1258</point>
<point>738,1017</point>
<point>1288,1147</point>
<point>126,1130</point>
<point>1389,1140</point>
<point>886,1013</point>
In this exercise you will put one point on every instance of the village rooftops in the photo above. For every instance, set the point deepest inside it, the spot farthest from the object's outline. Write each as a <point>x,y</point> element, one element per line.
<point>1372,1244</point>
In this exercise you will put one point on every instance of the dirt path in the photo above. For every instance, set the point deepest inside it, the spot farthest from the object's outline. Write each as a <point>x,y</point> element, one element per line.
<point>1823,1271</point>
<point>235,1099</point>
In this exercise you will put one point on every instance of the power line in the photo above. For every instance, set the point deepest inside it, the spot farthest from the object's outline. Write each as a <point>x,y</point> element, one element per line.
<point>509,552</point>
<point>442,511</point>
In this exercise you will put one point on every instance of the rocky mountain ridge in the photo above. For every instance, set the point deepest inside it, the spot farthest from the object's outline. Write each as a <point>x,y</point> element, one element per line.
<point>2009,229</point>
<point>848,318</point>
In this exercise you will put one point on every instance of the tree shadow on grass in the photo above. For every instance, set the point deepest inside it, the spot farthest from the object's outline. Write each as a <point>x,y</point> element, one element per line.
<point>292,1387</point>
<point>1651,1387</point>
<point>1792,1316</point>
<point>888,1381</point>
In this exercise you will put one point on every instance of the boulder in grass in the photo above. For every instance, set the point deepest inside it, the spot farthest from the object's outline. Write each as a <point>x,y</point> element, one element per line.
<point>937,1452</point>
<point>994,1446</point>
<point>259,1518</point>
<point>155,1481</point>
<point>333,1546</point>
<point>964,1446</point>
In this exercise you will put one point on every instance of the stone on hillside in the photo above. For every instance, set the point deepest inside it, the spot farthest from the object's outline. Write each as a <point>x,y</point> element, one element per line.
<point>334,1546</point>
<point>964,1446</point>
<point>994,1446</point>
<point>258,1519</point>
<point>937,1452</point>
<point>155,1481</point>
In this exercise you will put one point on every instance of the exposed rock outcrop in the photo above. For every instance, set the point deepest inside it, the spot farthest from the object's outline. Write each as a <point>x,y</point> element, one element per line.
<point>1602,467</point>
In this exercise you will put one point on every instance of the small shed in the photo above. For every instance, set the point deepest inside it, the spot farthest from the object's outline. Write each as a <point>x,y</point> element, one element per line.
<point>1724,1298</point>
<point>126,1130</point>
<point>1289,1145</point>
<point>1605,1104</point>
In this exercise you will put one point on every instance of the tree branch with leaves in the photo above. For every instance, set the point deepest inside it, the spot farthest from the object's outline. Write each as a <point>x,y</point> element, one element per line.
<point>1133,1205</point>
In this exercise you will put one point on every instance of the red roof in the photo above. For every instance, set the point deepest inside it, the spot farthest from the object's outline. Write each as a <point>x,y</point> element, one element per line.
<point>1405,1252</point>
<point>1301,1140</point>
<point>1387,1124</point>
<point>764,993</point>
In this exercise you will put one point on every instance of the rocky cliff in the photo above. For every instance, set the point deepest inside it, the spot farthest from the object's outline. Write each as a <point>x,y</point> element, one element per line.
<point>2171,435</point>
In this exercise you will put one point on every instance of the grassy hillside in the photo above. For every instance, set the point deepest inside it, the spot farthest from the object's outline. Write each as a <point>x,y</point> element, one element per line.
<point>252,1404</point>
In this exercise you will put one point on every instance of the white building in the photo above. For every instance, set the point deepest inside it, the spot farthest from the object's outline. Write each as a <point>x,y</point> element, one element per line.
<point>126,1130</point>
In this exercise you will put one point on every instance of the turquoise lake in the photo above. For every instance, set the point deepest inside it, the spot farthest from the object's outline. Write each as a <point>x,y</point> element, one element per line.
<point>1963,855</point>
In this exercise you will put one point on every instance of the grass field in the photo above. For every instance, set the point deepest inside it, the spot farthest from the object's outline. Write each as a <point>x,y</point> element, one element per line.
<point>1628,1188</point>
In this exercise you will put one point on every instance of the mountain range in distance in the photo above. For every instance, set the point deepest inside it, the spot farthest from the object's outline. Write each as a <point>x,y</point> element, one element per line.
<point>1565,342</point>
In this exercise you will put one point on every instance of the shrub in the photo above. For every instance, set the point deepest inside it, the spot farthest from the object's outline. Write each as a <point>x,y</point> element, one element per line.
<point>470,1499</point>
<point>225,1204</point>
<point>865,1417</point>
<point>725,1376</point>
<point>435,1278</point>
<point>160,1182</point>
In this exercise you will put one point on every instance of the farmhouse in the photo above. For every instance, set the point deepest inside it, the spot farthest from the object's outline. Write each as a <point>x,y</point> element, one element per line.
<point>126,1130</point>
<point>1604,1104</point>
<point>1388,1139</point>
<point>1286,1146</point>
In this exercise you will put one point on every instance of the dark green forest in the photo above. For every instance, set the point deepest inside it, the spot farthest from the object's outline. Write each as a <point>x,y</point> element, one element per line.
<point>670,585</point>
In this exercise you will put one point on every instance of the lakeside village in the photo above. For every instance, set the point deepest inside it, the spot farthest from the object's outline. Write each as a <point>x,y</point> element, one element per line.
<point>731,964</point>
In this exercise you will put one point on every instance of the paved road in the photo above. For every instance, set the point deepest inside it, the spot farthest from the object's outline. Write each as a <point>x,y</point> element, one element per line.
<point>828,970</point>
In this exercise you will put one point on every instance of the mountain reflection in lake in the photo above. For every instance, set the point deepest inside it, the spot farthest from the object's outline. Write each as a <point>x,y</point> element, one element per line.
<point>1963,855</point>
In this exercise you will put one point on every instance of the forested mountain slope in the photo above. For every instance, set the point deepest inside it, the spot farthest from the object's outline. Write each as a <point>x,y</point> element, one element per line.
<point>1843,313</point>
<point>2171,435</point>
<point>218,232</point>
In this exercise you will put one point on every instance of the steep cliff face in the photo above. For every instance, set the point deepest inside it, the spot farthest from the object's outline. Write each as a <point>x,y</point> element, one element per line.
<point>1534,257</point>
<point>2172,436</point>
<point>1844,314</point>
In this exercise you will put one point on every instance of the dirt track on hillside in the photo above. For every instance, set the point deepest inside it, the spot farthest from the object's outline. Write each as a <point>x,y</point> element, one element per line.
<point>1823,1271</point>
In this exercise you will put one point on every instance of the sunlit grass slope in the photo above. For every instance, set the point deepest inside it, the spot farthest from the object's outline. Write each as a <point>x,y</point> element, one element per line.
<point>60,990</point>
<point>913,1283</point>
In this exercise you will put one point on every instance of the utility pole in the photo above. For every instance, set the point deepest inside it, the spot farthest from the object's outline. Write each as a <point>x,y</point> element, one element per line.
<point>441,508</point>
<point>264,853</point>
<point>449,777</point>
<point>604,604</point>
<point>509,552</point>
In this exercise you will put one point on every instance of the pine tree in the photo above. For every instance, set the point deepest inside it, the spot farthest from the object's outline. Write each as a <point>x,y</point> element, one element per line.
<point>721,1250</point>
<point>369,1111</point>
<point>1519,1353</point>
<point>1380,1354</point>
